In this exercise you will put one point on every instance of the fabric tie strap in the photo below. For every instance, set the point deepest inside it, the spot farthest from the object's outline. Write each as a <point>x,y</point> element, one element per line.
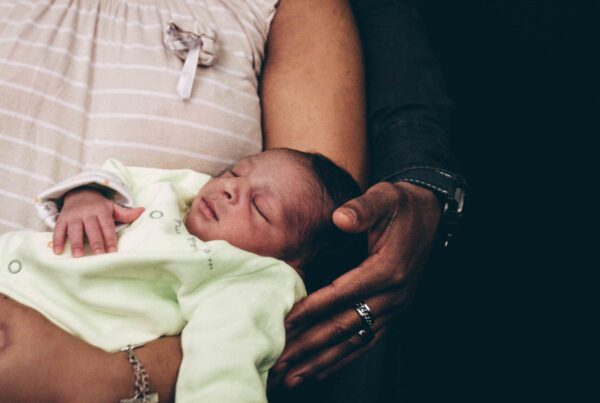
<point>195,49</point>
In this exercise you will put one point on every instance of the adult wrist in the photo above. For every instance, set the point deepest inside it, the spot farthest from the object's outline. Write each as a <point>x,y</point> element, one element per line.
<point>450,189</point>
<point>426,200</point>
<point>94,375</point>
<point>142,386</point>
<point>162,359</point>
<point>424,195</point>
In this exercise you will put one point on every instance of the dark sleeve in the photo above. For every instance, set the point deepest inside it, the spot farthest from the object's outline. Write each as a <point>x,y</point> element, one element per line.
<point>407,107</point>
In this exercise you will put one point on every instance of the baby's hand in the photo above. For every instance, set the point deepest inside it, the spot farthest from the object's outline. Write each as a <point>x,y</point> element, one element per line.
<point>86,210</point>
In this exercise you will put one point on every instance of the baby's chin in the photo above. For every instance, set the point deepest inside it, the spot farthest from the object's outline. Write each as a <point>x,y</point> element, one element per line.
<point>194,227</point>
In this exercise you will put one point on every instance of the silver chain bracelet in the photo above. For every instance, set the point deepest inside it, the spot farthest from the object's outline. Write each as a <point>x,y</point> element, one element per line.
<point>142,382</point>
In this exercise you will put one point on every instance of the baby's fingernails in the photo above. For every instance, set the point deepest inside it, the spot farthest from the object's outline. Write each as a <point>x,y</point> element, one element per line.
<point>98,251</point>
<point>77,252</point>
<point>112,249</point>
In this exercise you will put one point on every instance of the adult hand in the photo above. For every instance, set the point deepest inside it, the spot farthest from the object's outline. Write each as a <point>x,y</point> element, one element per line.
<point>87,211</point>
<point>402,220</point>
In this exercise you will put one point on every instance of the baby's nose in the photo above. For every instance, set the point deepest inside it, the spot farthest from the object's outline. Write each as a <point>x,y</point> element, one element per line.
<point>228,194</point>
<point>233,190</point>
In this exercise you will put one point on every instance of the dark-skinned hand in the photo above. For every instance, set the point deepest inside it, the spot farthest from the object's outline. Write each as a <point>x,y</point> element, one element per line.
<point>322,329</point>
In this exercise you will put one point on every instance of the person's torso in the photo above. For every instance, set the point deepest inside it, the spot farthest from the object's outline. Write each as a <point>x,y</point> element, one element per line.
<point>84,81</point>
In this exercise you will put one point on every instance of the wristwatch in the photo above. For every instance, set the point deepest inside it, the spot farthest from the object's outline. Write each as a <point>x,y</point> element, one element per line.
<point>450,189</point>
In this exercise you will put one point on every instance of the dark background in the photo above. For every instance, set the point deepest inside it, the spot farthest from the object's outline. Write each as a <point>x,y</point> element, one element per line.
<point>491,312</point>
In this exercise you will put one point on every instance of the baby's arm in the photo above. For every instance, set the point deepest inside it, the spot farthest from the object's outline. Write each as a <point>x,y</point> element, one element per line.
<point>235,331</point>
<point>87,211</point>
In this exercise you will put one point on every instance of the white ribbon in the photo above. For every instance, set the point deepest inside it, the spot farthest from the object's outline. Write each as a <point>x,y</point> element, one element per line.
<point>195,49</point>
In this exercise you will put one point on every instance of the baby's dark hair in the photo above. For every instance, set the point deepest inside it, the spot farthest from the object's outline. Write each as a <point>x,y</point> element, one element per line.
<point>326,251</point>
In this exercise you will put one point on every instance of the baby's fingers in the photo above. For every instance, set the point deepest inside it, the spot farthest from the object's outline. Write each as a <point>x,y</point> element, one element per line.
<point>75,234</point>
<point>109,232</point>
<point>94,235</point>
<point>58,237</point>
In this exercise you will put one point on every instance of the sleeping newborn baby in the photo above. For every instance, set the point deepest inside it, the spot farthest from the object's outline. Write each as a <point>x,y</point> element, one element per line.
<point>220,261</point>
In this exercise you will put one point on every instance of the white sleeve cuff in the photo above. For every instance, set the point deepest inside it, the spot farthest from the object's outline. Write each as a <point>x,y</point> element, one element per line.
<point>46,203</point>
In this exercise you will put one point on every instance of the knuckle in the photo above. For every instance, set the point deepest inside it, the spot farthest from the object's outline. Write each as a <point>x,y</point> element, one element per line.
<point>385,187</point>
<point>398,276</point>
<point>299,313</point>
<point>318,365</point>
<point>355,342</point>
<point>294,351</point>
<point>395,274</point>
<point>362,206</point>
<point>338,330</point>
<point>74,222</point>
<point>89,217</point>
<point>97,245</point>
<point>395,193</point>
<point>336,290</point>
<point>307,308</point>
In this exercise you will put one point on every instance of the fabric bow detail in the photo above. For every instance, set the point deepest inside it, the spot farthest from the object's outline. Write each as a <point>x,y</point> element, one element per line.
<point>194,49</point>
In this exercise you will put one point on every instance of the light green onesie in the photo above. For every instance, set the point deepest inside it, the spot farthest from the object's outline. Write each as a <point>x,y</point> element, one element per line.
<point>228,304</point>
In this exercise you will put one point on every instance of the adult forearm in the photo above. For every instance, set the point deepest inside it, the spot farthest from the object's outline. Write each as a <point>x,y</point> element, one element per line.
<point>41,362</point>
<point>407,106</point>
<point>312,85</point>
<point>104,377</point>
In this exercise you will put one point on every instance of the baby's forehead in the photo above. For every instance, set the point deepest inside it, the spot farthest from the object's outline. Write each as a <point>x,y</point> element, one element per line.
<point>278,164</point>
<point>290,175</point>
<point>307,211</point>
<point>281,156</point>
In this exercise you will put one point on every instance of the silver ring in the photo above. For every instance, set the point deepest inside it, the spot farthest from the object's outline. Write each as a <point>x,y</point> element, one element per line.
<point>365,314</point>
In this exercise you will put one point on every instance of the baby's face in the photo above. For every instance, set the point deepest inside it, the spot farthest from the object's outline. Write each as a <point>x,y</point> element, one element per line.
<point>262,205</point>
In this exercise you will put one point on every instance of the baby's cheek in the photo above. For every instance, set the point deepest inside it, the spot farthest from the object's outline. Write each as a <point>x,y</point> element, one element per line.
<point>266,244</point>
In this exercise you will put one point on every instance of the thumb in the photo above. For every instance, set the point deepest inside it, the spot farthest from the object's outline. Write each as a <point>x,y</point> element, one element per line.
<point>126,215</point>
<point>363,212</point>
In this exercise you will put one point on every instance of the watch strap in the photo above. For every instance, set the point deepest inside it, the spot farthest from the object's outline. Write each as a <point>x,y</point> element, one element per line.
<point>450,189</point>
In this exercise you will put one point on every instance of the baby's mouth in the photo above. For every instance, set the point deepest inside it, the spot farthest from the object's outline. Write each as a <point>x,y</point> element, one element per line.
<point>208,209</point>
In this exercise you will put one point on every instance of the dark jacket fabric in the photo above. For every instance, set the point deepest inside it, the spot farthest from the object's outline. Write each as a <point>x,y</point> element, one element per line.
<point>407,106</point>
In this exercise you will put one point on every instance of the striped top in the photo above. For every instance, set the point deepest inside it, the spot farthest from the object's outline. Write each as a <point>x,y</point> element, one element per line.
<point>82,81</point>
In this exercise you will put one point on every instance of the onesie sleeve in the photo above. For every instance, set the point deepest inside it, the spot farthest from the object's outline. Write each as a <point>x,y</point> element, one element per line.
<point>235,333</point>
<point>110,182</point>
<point>118,182</point>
